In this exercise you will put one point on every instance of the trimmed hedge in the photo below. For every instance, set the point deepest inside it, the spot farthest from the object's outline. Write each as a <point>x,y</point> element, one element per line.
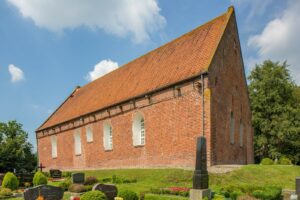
<point>163,197</point>
<point>128,195</point>
<point>284,161</point>
<point>39,179</point>
<point>267,161</point>
<point>268,193</point>
<point>10,181</point>
<point>93,195</point>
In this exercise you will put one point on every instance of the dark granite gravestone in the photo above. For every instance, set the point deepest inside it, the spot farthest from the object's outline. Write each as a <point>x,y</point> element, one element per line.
<point>48,192</point>
<point>110,191</point>
<point>24,177</point>
<point>200,178</point>
<point>298,187</point>
<point>78,178</point>
<point>55,173</point>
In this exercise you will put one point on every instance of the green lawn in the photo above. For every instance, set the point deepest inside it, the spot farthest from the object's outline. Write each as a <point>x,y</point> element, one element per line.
<point>277,175</point>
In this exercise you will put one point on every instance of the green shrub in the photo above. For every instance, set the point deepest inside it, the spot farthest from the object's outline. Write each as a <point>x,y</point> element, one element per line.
<point>284,161</point>
<point>88,187</point>
<point>91,180</point>
<point>66,174</point>
<point>218,197</point>
<point>93,195</point>
<point>65,184</point>
<point>268,193</point>
<point>47,174</point>
<point>39,179</point>
<point>77,188</point>
<point>128,195</point>
<point>5,192</point>
<point>10,181</point>
<point>267,161</point>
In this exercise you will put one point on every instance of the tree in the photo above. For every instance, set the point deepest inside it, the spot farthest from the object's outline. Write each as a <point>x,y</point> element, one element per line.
<point>15,150</point>
<point>275,105</point>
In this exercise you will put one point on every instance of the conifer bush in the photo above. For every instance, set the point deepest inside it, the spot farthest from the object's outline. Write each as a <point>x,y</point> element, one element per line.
<point>39,179</point>
<point>93,195</point>
<point>10,181</point>
<point>128,195</point>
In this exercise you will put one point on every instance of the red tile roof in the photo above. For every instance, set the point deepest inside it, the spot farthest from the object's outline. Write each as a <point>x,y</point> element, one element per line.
<point>184,57</point>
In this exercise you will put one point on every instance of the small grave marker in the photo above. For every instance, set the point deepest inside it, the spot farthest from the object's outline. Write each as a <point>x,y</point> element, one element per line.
<point>41,167</point>
<point>109,190</point>
<point>78,178</point>
<point>46,192</point>
<point>55,173</point>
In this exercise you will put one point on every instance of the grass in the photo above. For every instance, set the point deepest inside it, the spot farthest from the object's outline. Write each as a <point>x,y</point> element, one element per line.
<point>260,175</point>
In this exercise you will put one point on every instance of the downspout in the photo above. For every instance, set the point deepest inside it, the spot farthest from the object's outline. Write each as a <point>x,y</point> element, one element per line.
<point>203,112</point>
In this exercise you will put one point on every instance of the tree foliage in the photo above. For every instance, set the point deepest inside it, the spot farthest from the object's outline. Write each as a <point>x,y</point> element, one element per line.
<point>275,104</point>
<point>15,150</point>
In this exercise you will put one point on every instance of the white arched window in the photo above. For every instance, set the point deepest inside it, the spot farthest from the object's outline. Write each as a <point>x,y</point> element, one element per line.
<point>107,136</point>
<point>89,134</point>
<point>241,133</point>
<point>231,128</point>
<point>138,130</point>
<point>77,142</point>
<point>54,146</point>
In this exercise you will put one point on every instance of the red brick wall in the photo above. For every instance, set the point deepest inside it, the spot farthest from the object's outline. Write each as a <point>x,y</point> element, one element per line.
<point>229,93</point>
<point>172,125</point>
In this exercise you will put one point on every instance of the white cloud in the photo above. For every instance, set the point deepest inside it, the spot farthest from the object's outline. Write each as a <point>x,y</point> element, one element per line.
<point>102,68</point>
<point>137,18</point>
<point>279,40</point>
<point>252,7</point>
<point>16,73</point>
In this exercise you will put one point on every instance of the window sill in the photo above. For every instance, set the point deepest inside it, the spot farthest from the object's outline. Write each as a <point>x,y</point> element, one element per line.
<point>139,146</point>
<point>89,142</point>
<point>54,158</point>
<point>77,154</point>
<point>108,150</point>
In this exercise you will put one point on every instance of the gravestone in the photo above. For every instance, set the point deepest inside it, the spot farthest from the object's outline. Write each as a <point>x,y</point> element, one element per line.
<point>55,173</point>
<point>109,190</point>
<point>298,187</point>
<point>24,177</point>
<point>200,177</point>
<point>48,192</point>
<point>78,178</point>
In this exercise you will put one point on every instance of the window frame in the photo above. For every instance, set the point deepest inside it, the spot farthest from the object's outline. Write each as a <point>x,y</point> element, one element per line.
<point>241,130</point>
<point>89,134</point>
<point>107,136</point>
<point>138,130</point>
<point>54,146</point>
<point>77,143</point>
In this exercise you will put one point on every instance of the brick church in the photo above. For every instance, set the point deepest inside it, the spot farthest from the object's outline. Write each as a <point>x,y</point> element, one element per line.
<point>149,112</point>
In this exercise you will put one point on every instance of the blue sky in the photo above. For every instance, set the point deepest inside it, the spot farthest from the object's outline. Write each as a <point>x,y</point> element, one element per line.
<point>48,47</point>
